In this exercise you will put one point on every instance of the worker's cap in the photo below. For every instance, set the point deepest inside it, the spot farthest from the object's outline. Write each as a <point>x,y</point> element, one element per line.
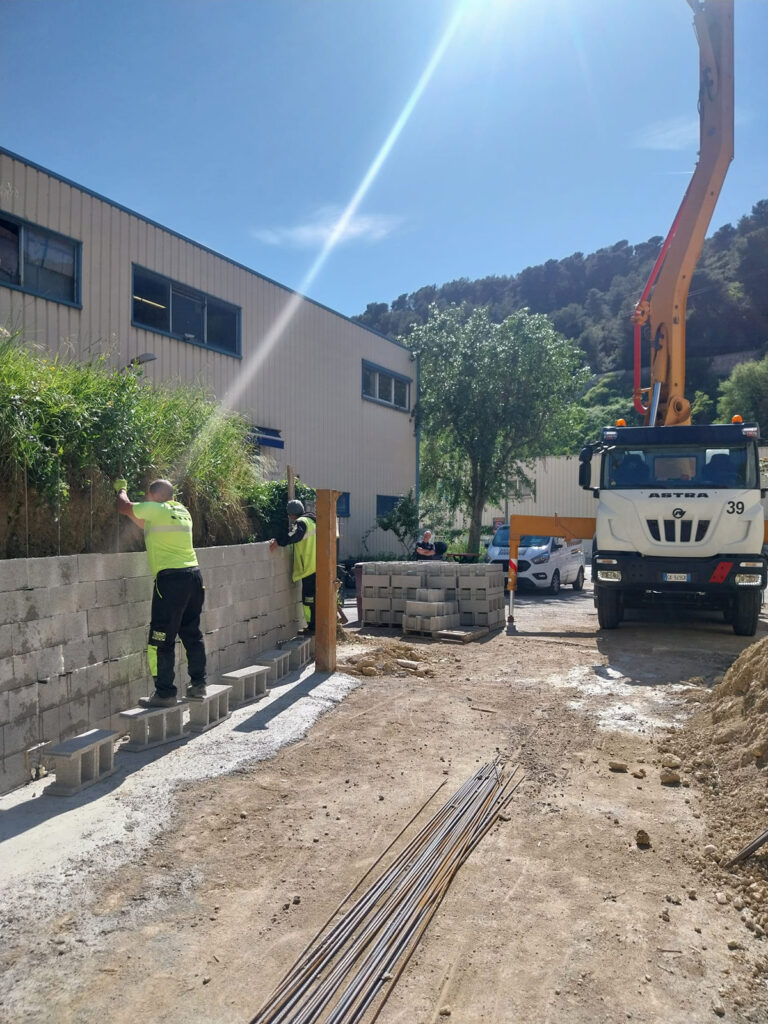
<point>294,508</point>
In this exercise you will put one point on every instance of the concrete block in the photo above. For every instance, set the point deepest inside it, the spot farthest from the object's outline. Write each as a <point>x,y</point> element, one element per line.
<point>124,670</point>
<point>53,692</point>
<point>82,761</point>
<point>211,710</point>
<point>233,657</point>
<point>100,706</point>
<point>13,771</point>
<point>248,684</point>
<point>15,605</point>
<point>88,679</point>
<point>153,727</point>
<point>13,574</point>
<point>110,593</point>
<point>116,617</point>
<point>299,651</point>
<point>21,734</point>
<point>208,558</point>
<point>277,661</point>
<point>6,674</point>
<point>466,618</point>
<point>22,702</point>
<point>6,641</point>
<point>52,572</point>
<point>28,668</point>
<point>49,632</point>
<point>127,641</point>
<point>83,652</point>
<point>430,594</point>
<point>376,603</point>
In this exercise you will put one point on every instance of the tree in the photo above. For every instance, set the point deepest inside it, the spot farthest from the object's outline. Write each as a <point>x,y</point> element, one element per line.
<point>745,392</point>
<point>493,397</point>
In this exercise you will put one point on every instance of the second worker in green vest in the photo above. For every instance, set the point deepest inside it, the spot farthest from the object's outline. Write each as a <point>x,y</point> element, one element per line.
<point>302,539</point>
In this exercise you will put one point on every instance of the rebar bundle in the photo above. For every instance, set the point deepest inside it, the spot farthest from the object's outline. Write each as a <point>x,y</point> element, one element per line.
<point>338,977</point>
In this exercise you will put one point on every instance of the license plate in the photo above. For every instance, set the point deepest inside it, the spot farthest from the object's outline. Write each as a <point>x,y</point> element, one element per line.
<point>677,577</point>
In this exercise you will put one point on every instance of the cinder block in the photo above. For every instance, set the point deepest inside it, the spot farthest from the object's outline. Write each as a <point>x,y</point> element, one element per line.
<point>211,710</point>
<point>376,603</point>
<point>50,632</point>
<point>299,652</point>
<point>110,592</point>
<point>88,679</point>
<point>52,572</point>
<point>22,702</point>
<point>82,761</point>
<point>124,670</point>
<point>15,606</point>
<point>28,668</point>
<point>6,641</point>
<point>126,641</point>
<point>277,661</point>
<point>13,574</point>
<point>55,691</point>
<point>153,727</point>
<point>20,733</point>
<point>248,684</point>
<point>466,618</point>
<point>117,617</point>
<point>13,771</point>
<point>84,652</point>
<point>430,594</point>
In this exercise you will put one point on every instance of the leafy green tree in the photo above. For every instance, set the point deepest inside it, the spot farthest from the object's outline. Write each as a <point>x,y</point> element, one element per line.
<point>493,397</point>
<point>745,392</point>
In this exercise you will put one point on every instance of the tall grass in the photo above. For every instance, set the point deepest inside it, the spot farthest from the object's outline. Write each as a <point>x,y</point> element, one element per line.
<point>67,428</point>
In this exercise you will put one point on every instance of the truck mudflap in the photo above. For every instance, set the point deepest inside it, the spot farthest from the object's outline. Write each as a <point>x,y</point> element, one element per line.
<point>721,574</point>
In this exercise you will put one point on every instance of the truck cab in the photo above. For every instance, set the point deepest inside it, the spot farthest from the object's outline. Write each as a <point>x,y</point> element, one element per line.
<point>679,518</point>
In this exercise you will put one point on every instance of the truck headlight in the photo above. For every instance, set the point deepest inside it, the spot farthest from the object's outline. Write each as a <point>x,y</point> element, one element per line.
<point>540,560</point>
<point>612,575</point>
<point>747,579</point>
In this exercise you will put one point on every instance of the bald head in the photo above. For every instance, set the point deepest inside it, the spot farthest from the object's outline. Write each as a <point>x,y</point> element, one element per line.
<point>160,490</point>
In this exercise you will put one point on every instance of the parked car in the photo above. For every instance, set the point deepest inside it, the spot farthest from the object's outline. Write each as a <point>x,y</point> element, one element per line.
<point>543,563</point>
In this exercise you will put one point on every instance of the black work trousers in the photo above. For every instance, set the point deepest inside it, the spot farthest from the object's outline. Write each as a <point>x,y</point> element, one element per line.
<point>177,602</point>
<point>308,600</point>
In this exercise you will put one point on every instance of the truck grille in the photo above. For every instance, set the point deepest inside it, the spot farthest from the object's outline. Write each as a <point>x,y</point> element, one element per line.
<point>523,565</point>
<point>678,531</point>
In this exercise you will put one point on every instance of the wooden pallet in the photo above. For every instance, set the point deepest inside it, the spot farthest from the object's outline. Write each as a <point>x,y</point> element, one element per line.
<point>462,636</point>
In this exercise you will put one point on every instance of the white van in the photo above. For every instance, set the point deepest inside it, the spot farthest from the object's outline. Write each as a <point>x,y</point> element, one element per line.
<point>543,563</point>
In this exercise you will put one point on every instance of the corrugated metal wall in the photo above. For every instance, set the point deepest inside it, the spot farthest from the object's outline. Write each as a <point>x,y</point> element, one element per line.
<point>303,379</point>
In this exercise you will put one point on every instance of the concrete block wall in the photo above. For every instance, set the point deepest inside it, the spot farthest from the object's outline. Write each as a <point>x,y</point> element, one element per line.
<point>73,637</point>
<point>430,596</point>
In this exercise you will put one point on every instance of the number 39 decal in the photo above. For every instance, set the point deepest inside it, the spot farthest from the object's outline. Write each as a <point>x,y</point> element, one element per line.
<point>736,507</point>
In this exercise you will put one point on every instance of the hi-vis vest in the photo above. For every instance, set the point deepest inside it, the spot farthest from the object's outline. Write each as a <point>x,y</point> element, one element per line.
<point>304,551</point>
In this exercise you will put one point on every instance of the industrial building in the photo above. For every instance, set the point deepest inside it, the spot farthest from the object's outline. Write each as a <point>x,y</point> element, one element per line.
<point>83,277</point>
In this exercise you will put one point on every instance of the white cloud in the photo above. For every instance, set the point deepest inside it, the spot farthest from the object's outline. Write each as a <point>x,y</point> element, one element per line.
<point>319,226</point>
<point>674,133</point>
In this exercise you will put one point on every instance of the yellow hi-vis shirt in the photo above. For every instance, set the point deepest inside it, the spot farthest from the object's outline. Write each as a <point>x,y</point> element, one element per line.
<point>167,534</point>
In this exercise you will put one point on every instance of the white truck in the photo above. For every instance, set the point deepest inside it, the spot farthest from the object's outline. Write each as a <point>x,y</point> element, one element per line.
<point>679,516</point>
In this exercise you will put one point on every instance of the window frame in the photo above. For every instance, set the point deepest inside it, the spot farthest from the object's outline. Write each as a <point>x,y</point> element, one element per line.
<point>386,503</point>
<point>24,225</point>
<point>187,292</point>
<point>383,371</point>
<point>342,506</point>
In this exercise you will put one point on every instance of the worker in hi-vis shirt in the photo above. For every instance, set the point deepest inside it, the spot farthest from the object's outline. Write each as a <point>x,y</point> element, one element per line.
<point>178,594</point>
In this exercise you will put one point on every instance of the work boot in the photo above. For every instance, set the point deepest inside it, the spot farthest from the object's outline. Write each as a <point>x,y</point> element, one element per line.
<point>196,691</point>
<point>157,700</point>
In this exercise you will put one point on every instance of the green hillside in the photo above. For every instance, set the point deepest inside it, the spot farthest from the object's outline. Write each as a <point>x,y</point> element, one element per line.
<point>590,299</point>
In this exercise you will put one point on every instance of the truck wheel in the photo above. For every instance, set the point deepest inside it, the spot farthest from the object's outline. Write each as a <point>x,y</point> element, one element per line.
<point>610,607</point>
<point>554,585</point>
<point>578,583</point>
<point>746,611</point>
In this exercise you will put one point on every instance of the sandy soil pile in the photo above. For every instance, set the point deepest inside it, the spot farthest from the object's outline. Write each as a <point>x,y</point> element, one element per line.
<point>383,656</point>
<point>724,755</point>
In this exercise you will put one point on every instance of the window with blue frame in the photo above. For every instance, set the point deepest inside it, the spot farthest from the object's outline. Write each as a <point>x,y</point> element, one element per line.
<point>160,304</point>
<point>385,503</point>
<point>386,387</point>
<point>39,261</point>
<point>265,437</point>
<point>342,505</point>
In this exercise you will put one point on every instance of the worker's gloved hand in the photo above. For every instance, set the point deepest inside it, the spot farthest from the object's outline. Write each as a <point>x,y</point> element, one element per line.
<point>120,485</point>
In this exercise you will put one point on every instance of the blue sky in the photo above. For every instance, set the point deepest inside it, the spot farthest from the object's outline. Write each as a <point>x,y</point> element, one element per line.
<point>471,137</point>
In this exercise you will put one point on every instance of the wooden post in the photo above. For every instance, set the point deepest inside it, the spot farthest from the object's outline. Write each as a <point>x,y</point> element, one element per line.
<point>325,590</point>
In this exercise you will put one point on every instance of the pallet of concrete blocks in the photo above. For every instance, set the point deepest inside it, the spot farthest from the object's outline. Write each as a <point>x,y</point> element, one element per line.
<point>404,583</point>
<point>376,610</point>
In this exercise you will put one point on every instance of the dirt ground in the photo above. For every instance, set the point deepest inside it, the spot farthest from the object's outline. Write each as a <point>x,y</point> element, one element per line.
<point>559,915</point>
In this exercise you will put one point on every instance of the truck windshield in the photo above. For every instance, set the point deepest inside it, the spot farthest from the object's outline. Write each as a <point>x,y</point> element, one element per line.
<point>689,466</point>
